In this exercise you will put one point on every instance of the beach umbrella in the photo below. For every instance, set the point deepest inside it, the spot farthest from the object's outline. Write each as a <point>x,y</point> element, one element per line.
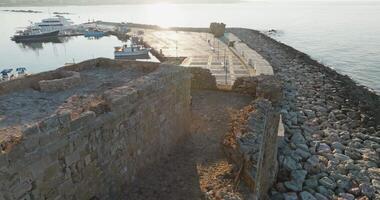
<point>6,71</point>
<point>21,69</point>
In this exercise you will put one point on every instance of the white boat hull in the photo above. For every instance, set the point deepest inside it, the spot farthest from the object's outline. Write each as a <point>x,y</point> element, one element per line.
<point>134,53</point>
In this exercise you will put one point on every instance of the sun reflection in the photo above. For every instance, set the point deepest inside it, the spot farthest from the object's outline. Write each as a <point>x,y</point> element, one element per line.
<point>164,14</point>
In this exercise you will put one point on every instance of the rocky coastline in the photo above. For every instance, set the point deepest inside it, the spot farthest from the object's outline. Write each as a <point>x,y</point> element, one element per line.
<point>331,148</point>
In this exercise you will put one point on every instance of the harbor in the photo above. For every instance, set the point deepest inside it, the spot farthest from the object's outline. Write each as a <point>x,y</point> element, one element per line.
<point>182,113</point>
<point>197,48</point>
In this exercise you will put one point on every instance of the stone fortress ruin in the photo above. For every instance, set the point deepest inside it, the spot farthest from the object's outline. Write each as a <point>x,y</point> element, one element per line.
<point>87,129</point>
<point>121,129</point>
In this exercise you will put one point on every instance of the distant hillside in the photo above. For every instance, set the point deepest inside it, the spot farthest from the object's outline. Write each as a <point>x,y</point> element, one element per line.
<point>99,2</point>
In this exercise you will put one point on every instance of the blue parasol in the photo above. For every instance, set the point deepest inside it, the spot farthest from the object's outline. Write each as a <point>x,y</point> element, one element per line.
<point>6,71</point>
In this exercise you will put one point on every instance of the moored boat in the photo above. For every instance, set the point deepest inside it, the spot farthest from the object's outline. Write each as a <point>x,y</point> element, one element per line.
<point>93,32</point>
<point>33,33</point>
<point>131,50</point>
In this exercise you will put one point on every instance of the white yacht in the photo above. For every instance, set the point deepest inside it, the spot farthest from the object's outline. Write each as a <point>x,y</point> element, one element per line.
<point>34,33</point>
<point>57,23</point>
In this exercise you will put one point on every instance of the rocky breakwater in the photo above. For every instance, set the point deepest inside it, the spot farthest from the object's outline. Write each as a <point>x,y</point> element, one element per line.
<point>253,138</point>
<point>332,130</point>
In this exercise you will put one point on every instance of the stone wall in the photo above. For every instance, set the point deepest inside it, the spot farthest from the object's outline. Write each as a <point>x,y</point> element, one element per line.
<point>33,80</point>
<point>65,80</point>
<point>265,86</point>
<point>202,78</point>
<point>252,144</point>
<point>97,154</point>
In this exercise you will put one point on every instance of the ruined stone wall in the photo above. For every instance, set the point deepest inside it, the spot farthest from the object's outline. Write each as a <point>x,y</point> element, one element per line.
<point>69,79</point>
<point>252,144</point>
<point>98,153</point>
<point>266,86</point>
<point>202,78</point>
<point>33,80</point>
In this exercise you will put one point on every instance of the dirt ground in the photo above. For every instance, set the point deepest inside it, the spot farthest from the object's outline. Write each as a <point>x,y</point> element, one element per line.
<point>197,168</point>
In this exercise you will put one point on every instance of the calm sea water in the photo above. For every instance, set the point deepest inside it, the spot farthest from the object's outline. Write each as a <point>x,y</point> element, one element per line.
<point>344,36</point>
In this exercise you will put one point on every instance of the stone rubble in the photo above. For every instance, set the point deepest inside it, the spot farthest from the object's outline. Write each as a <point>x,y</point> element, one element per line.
<point>332,130</point>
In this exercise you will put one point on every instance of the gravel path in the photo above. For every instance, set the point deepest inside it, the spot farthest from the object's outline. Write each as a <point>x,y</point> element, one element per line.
<point>332,144</point>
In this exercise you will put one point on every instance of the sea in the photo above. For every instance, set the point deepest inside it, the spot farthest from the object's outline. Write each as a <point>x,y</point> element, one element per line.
<point>342,35</point>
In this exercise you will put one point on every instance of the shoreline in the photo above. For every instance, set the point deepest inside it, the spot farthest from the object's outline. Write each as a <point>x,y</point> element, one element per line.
<point>359,92</point>
<point>331,147</point>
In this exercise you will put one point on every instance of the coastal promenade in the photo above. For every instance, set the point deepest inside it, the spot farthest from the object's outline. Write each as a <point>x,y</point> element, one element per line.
<point>201,49</point>
<point>332,128</point>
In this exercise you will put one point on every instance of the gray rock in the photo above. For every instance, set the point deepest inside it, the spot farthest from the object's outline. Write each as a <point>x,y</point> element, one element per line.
<point>327,182</point>
<point>313,160</point>
<point>290,196</point>
<point>307,196</point>
<point>355,191</point>
<point>338,145</point>
<point>338,176</point>
<point>376,184</point>
<point>309,113</point>
<point>374,173</point>
<point>298,138</point>
<point>293,185</point>
<point>324,191</point>
<point>346,196</point>
<point>320,196</point>
<point>303,147</point>
<point>352,166</point>
<point>323,148</point>
<point>303,154</point>
<point>274,196</point>
<point>353,154</point>
<point>290,164</point>
<point>344,185</point>
<point>298,175</point>
<point>332,117</point>
<point>367,189</point>
<point>341,157</point>
<point>312,183</point>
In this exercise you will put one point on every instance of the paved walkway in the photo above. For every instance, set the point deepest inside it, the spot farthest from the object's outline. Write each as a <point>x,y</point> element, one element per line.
<point>203,50</point>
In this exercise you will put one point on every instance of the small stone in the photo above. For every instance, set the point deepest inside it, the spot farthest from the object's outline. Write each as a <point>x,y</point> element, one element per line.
<point>307,196</point>
<point>325,191</point>
<point>353,154</point>
<point>346,196</point>
<point>293,185</point>
<point>290,196</point>
<point>303,147</point>
<point>290,164</point>
<point>313,160</point>
<point>320,196</point>
<point>298,175</point>
<point>313,183</point>
<point>327,182</point>
<point>341,157</point>
<point>344,185</point>
<point>376,184</point>
<point>309,113</point>
<point>323,148</point>
<point>355,191</point>
<point>367,189</point>
<point>274,196</point>
<point>298,138</point>
<point>374,172</point>
<point>303,154</point>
